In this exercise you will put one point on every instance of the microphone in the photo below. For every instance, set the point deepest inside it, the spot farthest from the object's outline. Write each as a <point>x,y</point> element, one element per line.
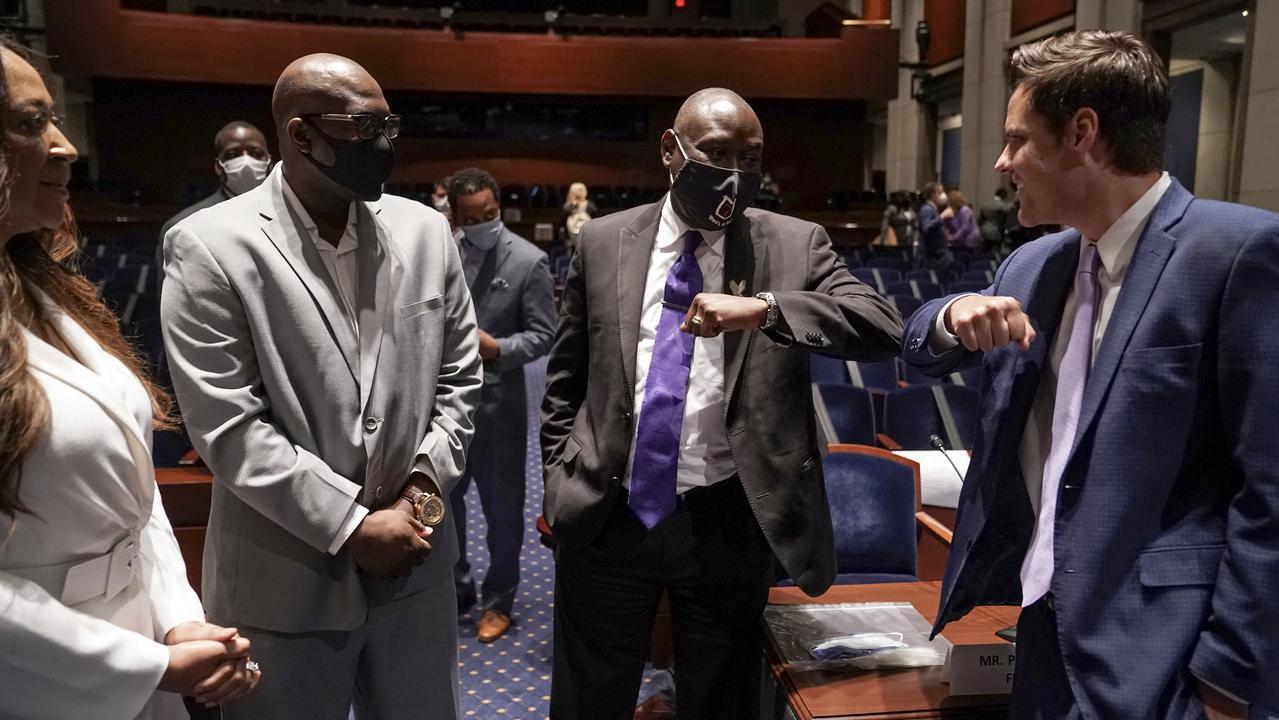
<point>939,446</point>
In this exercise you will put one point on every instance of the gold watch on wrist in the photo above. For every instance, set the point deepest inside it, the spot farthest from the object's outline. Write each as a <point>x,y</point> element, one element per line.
<point>428,507</point>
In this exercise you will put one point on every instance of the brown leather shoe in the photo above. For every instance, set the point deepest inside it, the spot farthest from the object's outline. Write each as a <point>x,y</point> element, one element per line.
<point>492,626</point>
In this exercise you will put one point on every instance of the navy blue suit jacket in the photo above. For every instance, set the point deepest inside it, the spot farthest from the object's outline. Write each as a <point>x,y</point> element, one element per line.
<point>1167,532</point>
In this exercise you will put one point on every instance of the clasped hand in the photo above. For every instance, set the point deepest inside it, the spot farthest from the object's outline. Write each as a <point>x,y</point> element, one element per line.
<point>209,663</point>
<point>390,542</point>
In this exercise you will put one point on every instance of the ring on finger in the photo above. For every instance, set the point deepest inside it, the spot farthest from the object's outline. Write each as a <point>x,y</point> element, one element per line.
<point>252,666</point>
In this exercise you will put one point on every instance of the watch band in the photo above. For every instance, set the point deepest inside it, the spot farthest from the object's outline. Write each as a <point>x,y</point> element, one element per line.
<point>770,319</point>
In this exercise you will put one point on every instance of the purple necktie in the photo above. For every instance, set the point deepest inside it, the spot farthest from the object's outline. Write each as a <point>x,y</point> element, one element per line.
<point>656,459</point>
<point>1037,568</point>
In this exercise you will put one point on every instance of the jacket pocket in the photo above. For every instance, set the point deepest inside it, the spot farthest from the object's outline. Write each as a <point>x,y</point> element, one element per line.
<point>422,307</point>
<point>1176,566</point>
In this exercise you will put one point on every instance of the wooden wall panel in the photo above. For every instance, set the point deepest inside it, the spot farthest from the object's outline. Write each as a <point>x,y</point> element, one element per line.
<point>170,46</point>
<point>946,25</point>
<point>1030,14</point>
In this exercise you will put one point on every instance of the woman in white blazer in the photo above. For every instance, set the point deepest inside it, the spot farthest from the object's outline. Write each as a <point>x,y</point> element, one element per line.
<point>96,616</point>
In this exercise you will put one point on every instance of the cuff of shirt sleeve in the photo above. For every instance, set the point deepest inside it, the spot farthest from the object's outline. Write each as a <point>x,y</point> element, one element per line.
<point>354,517</point>
<point>941,340</point>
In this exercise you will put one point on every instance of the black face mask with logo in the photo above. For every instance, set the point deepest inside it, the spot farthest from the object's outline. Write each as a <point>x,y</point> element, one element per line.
<point>361,166</point>
<point>711,197</point>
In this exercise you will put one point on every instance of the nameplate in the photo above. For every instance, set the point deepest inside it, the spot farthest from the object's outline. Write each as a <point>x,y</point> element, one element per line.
<point>985,669</point>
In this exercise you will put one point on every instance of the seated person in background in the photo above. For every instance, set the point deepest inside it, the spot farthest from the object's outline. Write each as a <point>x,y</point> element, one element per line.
<point>961,226</point>
<point>97,619</point>
<point>993,217</point>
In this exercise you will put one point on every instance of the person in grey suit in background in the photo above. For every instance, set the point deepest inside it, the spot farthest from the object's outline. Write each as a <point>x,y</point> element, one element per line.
<point>514,296</point>
<point>325,356</point>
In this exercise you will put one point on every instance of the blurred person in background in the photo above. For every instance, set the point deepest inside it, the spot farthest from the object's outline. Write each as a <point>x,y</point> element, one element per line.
<point>961,226</point>
<point>578,209</point>
<point>900,225</point>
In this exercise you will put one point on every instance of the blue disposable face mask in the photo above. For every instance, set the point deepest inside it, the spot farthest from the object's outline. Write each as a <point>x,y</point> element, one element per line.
<point>484,235</point>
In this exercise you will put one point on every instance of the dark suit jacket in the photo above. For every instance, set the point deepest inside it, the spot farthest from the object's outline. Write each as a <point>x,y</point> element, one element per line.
<point>587,422</point>
<point>1167,533</point>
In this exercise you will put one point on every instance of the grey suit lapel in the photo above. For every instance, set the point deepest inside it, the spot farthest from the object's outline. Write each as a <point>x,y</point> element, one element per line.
<point>287,233</point>
<point>1154,247</point>
<point>635,247</point>
<point>745,260</point>
<point>378,271</point>
<point>489,267</point>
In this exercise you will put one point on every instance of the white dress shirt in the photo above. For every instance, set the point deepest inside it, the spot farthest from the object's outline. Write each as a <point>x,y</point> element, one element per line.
<point>704,457</point>
<point>343,264</point>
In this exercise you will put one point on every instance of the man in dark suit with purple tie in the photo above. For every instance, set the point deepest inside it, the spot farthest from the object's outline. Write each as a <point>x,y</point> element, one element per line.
<point>1124,484</point>
<point>678,438</point>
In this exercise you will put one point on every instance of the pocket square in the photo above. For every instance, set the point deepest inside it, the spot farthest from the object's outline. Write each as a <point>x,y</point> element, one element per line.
<point>499,284</point>
<point>737,287</point>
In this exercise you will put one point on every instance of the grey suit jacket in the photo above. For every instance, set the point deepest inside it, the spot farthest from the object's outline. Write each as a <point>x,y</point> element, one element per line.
<point>514,296</point>
<point>296,416</point>
<point>587,422</point>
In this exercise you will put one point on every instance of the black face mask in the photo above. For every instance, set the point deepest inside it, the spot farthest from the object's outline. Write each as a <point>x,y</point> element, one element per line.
<point>361,166</point>
<point>711,197</point>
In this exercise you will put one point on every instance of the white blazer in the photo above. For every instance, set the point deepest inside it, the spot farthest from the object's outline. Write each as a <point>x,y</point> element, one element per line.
<point>92,578</point>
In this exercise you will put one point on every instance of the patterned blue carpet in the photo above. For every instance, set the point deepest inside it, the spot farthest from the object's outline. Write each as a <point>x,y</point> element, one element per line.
<point>511,678</point>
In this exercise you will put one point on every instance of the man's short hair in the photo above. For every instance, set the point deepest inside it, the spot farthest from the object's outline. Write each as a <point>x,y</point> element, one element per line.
<point>1117,75</point>
<point>929,190</point>
<point>1001,193</point>
<point>469,181</point>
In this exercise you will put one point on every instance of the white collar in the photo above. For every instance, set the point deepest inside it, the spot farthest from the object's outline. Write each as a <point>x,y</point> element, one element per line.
<point>1116,245</point>
<point>676,227</point>
<point>352,221</point>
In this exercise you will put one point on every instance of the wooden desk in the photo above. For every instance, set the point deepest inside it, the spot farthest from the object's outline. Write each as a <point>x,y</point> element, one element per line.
<point>889,694</point>
<point>186,492</point>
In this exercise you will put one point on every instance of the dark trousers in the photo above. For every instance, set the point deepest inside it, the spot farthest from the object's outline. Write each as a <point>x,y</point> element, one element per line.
<point>715,566</point>
<point>1041,690</point>
<point>496,463</point>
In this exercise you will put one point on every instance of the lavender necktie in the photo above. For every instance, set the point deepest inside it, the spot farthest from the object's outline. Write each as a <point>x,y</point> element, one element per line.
<point>656,459</point>
<point>1037,569</point>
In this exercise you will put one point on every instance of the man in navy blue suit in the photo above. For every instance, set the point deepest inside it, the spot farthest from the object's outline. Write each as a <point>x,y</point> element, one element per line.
<point>1124,484</point>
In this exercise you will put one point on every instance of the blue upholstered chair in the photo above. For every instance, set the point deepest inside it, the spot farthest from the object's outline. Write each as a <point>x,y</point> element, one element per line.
<point>850,410</point>
<point>911,416</point>
<point>876,514</point>
<point>829,370</point>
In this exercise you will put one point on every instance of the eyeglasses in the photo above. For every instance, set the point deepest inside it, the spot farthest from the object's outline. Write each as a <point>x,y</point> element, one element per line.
<point>367,125</point>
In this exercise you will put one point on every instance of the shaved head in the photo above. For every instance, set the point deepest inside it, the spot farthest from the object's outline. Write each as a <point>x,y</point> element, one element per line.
<point>716,106</point>
<point>322,83</point>
<point>237,131</point>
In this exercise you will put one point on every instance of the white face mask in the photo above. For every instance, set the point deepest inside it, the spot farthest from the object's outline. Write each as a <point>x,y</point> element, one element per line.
<point>484,235</point>
<point>243,173</point>
<point>942,201</point>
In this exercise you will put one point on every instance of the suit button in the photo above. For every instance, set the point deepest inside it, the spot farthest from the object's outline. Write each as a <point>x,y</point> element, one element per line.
<point>370,424</point>
<point>378,492</point>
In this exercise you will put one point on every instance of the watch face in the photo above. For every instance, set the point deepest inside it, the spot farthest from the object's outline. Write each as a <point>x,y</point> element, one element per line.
<point>430,509</point>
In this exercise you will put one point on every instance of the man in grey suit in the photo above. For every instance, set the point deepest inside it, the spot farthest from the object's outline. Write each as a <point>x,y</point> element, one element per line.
<point>678,439</point>
<point>324,353</point>
<point>514,296</point>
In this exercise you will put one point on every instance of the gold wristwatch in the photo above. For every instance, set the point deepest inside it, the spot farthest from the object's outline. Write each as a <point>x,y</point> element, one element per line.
<point>428,507</point>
